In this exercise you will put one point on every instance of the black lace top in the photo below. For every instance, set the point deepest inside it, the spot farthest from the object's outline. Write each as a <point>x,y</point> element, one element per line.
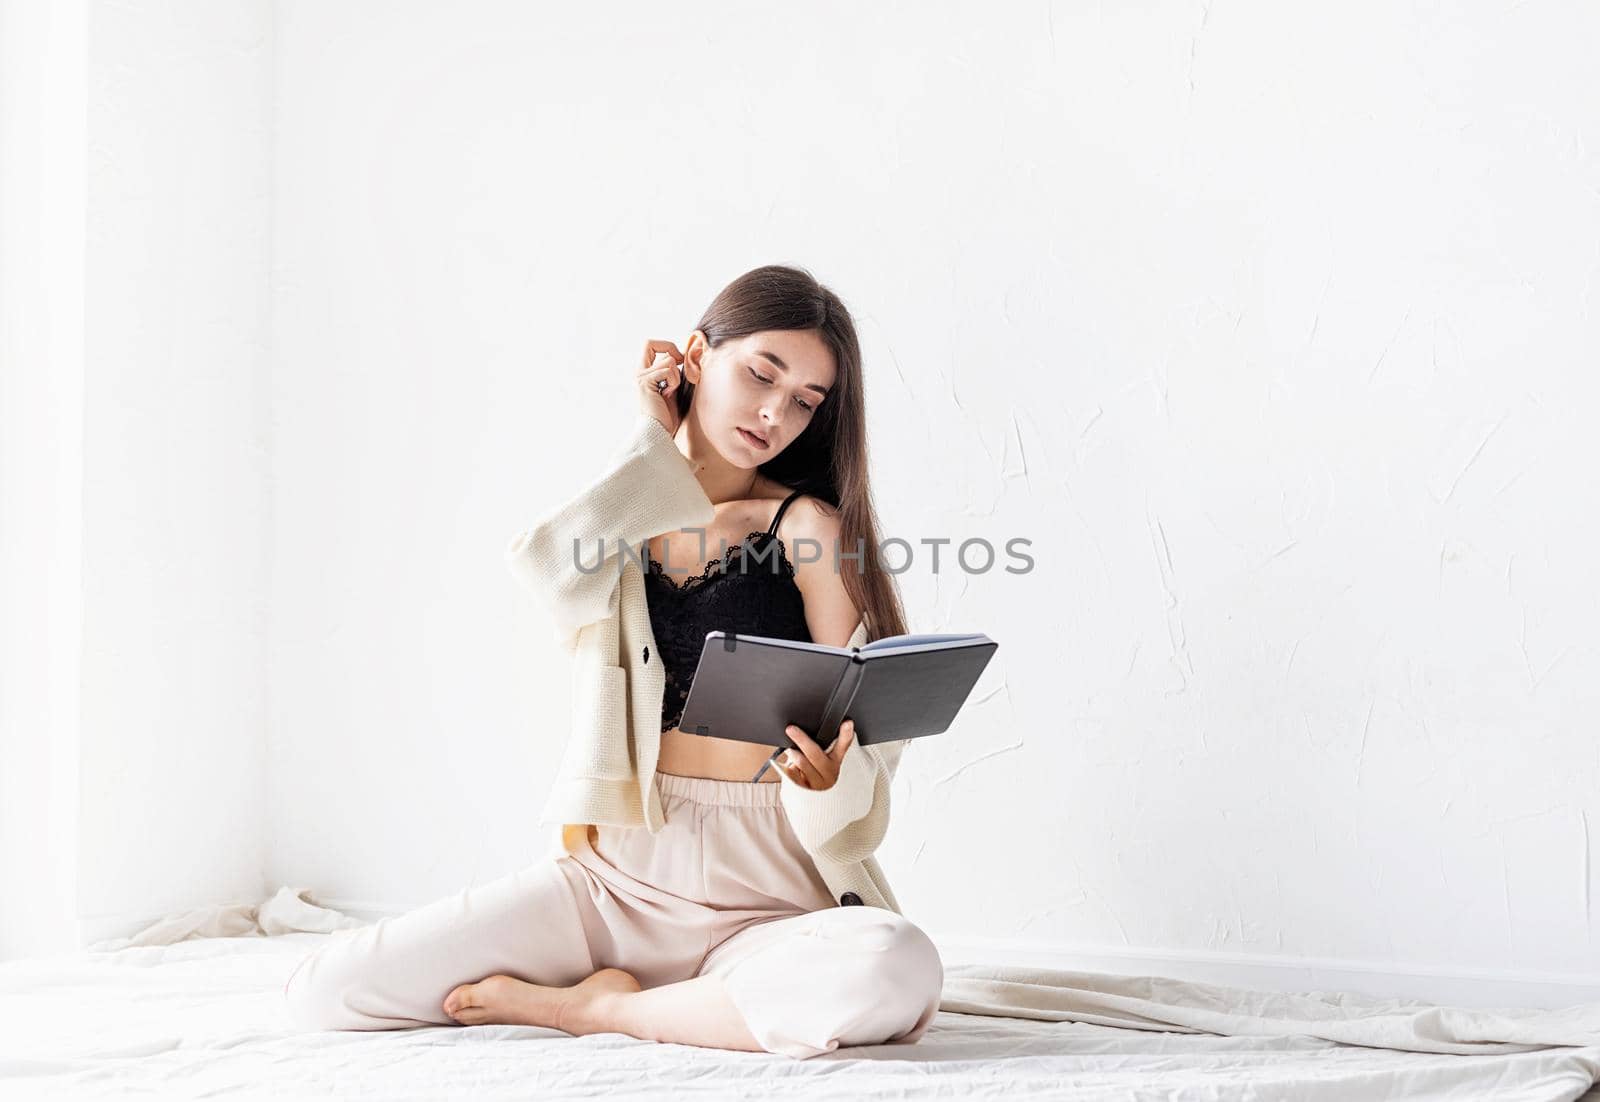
<point>750,590</point>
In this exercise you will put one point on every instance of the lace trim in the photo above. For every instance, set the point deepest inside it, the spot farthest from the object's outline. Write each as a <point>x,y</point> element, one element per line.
<point>706,575</point>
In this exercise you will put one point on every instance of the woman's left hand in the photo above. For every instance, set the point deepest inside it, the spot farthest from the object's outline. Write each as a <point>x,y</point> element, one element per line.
<point>814,767</point>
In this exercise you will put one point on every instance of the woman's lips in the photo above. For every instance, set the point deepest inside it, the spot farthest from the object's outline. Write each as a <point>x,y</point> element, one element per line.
<point>752,439</point>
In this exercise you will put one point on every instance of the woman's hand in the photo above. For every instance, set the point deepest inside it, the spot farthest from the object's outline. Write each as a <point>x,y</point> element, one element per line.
<point>658,381</point>
<point>814,767</point>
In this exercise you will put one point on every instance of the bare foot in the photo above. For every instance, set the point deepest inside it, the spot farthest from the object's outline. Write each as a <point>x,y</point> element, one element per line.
<point>506,1000</point>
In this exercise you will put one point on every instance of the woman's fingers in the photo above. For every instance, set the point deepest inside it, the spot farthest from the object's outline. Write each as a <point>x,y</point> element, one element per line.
<point>658,382</point>
<point>665,369</point>
<point>652,348</point>
<point>662,360</point>
<point>819,769</point>
<point>813,754</point>
<point>847,735</point>
<point>803,772</point>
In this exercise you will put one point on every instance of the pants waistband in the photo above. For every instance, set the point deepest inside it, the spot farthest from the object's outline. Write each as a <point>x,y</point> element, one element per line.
<point>705,790</point>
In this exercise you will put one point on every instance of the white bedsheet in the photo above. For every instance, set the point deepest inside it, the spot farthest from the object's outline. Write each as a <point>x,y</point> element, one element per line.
<point>191,1008</point>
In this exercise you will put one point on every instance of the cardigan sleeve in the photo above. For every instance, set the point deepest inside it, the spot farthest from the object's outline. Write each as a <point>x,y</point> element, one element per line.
<point>648,488</point>
<point>846,822</point>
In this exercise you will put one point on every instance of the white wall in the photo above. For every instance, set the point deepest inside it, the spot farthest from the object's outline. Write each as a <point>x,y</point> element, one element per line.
<point>135,463</point>
<point>42,116</point>
<point>1267,324</point>
<point>1273,328</point>
<point>175,500</point>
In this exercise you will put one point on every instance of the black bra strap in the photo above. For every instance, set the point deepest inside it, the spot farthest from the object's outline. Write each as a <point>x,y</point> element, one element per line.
<point>772,531</point>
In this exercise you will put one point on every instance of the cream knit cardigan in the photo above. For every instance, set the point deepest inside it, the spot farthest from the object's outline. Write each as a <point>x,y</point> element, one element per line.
<point>607,775</point>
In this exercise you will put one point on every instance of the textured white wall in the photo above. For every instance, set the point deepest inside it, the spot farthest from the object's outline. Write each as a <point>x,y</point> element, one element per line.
<point>1273,329</point>
<point>1272,326</point>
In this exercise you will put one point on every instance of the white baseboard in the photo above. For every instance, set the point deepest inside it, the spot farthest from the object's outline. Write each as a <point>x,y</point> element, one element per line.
<point>1444,986</point>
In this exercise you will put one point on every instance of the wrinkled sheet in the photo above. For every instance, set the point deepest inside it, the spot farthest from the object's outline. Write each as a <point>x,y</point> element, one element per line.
<point>191,1008</point>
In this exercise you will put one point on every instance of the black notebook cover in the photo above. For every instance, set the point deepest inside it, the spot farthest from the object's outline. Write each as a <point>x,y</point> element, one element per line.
<point>750,687</point>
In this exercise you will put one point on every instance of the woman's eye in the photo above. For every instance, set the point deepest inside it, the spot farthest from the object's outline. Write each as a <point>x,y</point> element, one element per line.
<point>768,381</point>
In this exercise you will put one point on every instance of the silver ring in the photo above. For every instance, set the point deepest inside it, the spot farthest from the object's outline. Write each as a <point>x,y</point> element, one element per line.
<point>661,385</point>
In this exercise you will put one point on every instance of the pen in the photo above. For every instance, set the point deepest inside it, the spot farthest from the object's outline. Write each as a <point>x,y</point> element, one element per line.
<point>766,763</point>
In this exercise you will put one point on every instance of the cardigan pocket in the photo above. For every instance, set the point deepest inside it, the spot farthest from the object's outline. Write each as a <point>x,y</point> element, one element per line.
<point>597,743</point>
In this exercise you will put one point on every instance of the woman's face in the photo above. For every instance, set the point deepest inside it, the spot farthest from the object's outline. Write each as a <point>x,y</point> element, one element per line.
<point>768,383</point>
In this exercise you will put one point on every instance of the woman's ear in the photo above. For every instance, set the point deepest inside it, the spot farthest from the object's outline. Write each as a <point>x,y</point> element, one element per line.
<point>694,350</point>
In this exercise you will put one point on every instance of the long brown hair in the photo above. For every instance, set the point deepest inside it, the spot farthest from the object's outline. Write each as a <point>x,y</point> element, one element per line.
<point>829,459</point>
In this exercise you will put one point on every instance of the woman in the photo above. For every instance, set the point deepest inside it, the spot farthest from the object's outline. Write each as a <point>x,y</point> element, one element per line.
<point>691,904</point>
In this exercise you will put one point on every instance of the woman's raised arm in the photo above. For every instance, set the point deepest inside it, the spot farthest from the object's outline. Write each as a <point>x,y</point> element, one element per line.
<point>647,489</point>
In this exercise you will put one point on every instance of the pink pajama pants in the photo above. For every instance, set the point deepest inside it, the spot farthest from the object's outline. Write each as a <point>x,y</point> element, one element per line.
<point>724,889</point>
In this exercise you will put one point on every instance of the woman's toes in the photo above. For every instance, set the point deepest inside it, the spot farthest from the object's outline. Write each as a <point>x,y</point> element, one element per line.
<point>459,997</point>
<point>498,1000</point>
<point>505,999</point>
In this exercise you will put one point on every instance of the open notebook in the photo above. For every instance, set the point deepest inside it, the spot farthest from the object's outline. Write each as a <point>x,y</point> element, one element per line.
<point>750,687</point>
